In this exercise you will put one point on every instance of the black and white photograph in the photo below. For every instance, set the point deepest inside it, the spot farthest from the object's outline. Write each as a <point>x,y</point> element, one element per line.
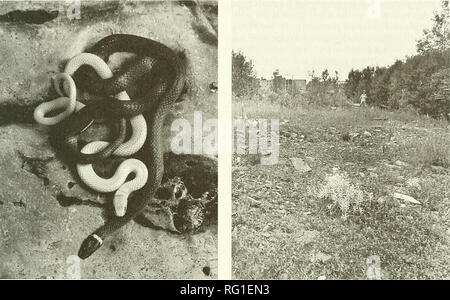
<point>225,147</point>
<point>341,139</point>
<point>108,162</point>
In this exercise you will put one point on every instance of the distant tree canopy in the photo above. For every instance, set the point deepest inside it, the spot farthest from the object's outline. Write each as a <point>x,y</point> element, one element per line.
<point>421,82</point>
<point>244,81</point>
<point>324,90</point>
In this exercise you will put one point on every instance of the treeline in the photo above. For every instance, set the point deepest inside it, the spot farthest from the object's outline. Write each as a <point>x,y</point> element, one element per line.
<point>421,83</point>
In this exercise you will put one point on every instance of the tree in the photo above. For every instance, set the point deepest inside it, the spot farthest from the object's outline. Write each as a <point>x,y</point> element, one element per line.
<point>352,83</point>
<point>244,81</point>
<point>325,75</point>
<point>323,90</point>
<point>436,95</point>
<point>438,38</point>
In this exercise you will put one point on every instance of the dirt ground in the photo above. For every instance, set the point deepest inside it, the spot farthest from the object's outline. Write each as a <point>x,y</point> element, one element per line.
<point>39,235</point>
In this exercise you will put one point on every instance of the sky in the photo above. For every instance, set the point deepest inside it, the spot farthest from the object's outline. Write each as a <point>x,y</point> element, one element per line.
<point>298,36</point>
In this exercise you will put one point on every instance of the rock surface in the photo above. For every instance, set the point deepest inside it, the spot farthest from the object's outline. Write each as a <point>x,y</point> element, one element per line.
<point>300,165</point>
<point>39,234</point>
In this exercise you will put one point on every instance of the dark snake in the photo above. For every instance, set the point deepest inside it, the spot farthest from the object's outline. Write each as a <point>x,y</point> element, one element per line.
<point>157,79</point>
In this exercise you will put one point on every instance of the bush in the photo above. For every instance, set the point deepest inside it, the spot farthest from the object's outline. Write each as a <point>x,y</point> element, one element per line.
<point>343,195</point>
<point>244,81</point>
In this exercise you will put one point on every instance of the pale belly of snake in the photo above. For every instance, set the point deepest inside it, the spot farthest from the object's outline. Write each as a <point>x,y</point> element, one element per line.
<point>156,79</point>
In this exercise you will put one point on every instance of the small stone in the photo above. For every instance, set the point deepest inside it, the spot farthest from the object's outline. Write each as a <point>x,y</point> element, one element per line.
<point>319,256</point>
<point>381,200</point>
<point>413,183</point>
<point>401,163</point>
<point>367,134</point>
<point>322,277</point>
<point>300,165</point>
<point>406,198</point>
<point>438,168</point>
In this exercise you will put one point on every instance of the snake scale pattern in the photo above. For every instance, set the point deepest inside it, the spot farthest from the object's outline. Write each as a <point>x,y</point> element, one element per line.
<point>155,80</point>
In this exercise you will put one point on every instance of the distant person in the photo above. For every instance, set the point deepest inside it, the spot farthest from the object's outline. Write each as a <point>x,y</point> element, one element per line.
<point>363,98</point>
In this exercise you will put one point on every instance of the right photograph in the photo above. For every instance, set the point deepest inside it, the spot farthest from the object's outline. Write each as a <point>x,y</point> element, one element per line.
<point>341,139</point>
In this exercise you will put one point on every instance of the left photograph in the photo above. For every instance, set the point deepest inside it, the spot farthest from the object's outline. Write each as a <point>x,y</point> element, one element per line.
<point>108,139</point>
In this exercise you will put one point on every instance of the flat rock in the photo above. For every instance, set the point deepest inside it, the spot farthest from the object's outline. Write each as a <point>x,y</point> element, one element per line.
<point>300,165</point>
<point>406,198</point>
<point>367,134</point>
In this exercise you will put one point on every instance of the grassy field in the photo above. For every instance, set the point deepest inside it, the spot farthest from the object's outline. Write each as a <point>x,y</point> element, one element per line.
<point>326,223</point>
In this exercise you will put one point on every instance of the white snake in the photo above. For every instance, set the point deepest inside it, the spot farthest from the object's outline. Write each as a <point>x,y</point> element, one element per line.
<point>86,171</point>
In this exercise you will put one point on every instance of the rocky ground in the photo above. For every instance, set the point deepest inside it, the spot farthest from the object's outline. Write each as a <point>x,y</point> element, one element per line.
<point>45,212</point>
<point>332,202</point>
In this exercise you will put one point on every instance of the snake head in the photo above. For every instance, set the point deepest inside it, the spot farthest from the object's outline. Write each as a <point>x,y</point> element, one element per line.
<point>89,246</point>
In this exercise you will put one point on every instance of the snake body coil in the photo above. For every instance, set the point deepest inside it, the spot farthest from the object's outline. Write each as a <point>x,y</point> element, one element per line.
<point>163,73</point>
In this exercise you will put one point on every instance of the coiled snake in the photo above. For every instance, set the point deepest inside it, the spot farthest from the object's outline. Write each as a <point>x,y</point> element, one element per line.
<point>161,71</point>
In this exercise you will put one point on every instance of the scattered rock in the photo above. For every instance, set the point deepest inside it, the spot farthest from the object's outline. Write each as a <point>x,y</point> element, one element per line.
<point>322,278</point>
<point>300,165</point>
<point>367,134</point>
<point>406,198</point>
<point>401,163</point>
<point>382,199</point>
<point>373,175</point>
<point>254,202</point>
<point>206,270</point>
<point>413,183</point>
<point>438,169</point>
<point>307,236</point>
<point>391,166</point>
<point>319,257</point>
